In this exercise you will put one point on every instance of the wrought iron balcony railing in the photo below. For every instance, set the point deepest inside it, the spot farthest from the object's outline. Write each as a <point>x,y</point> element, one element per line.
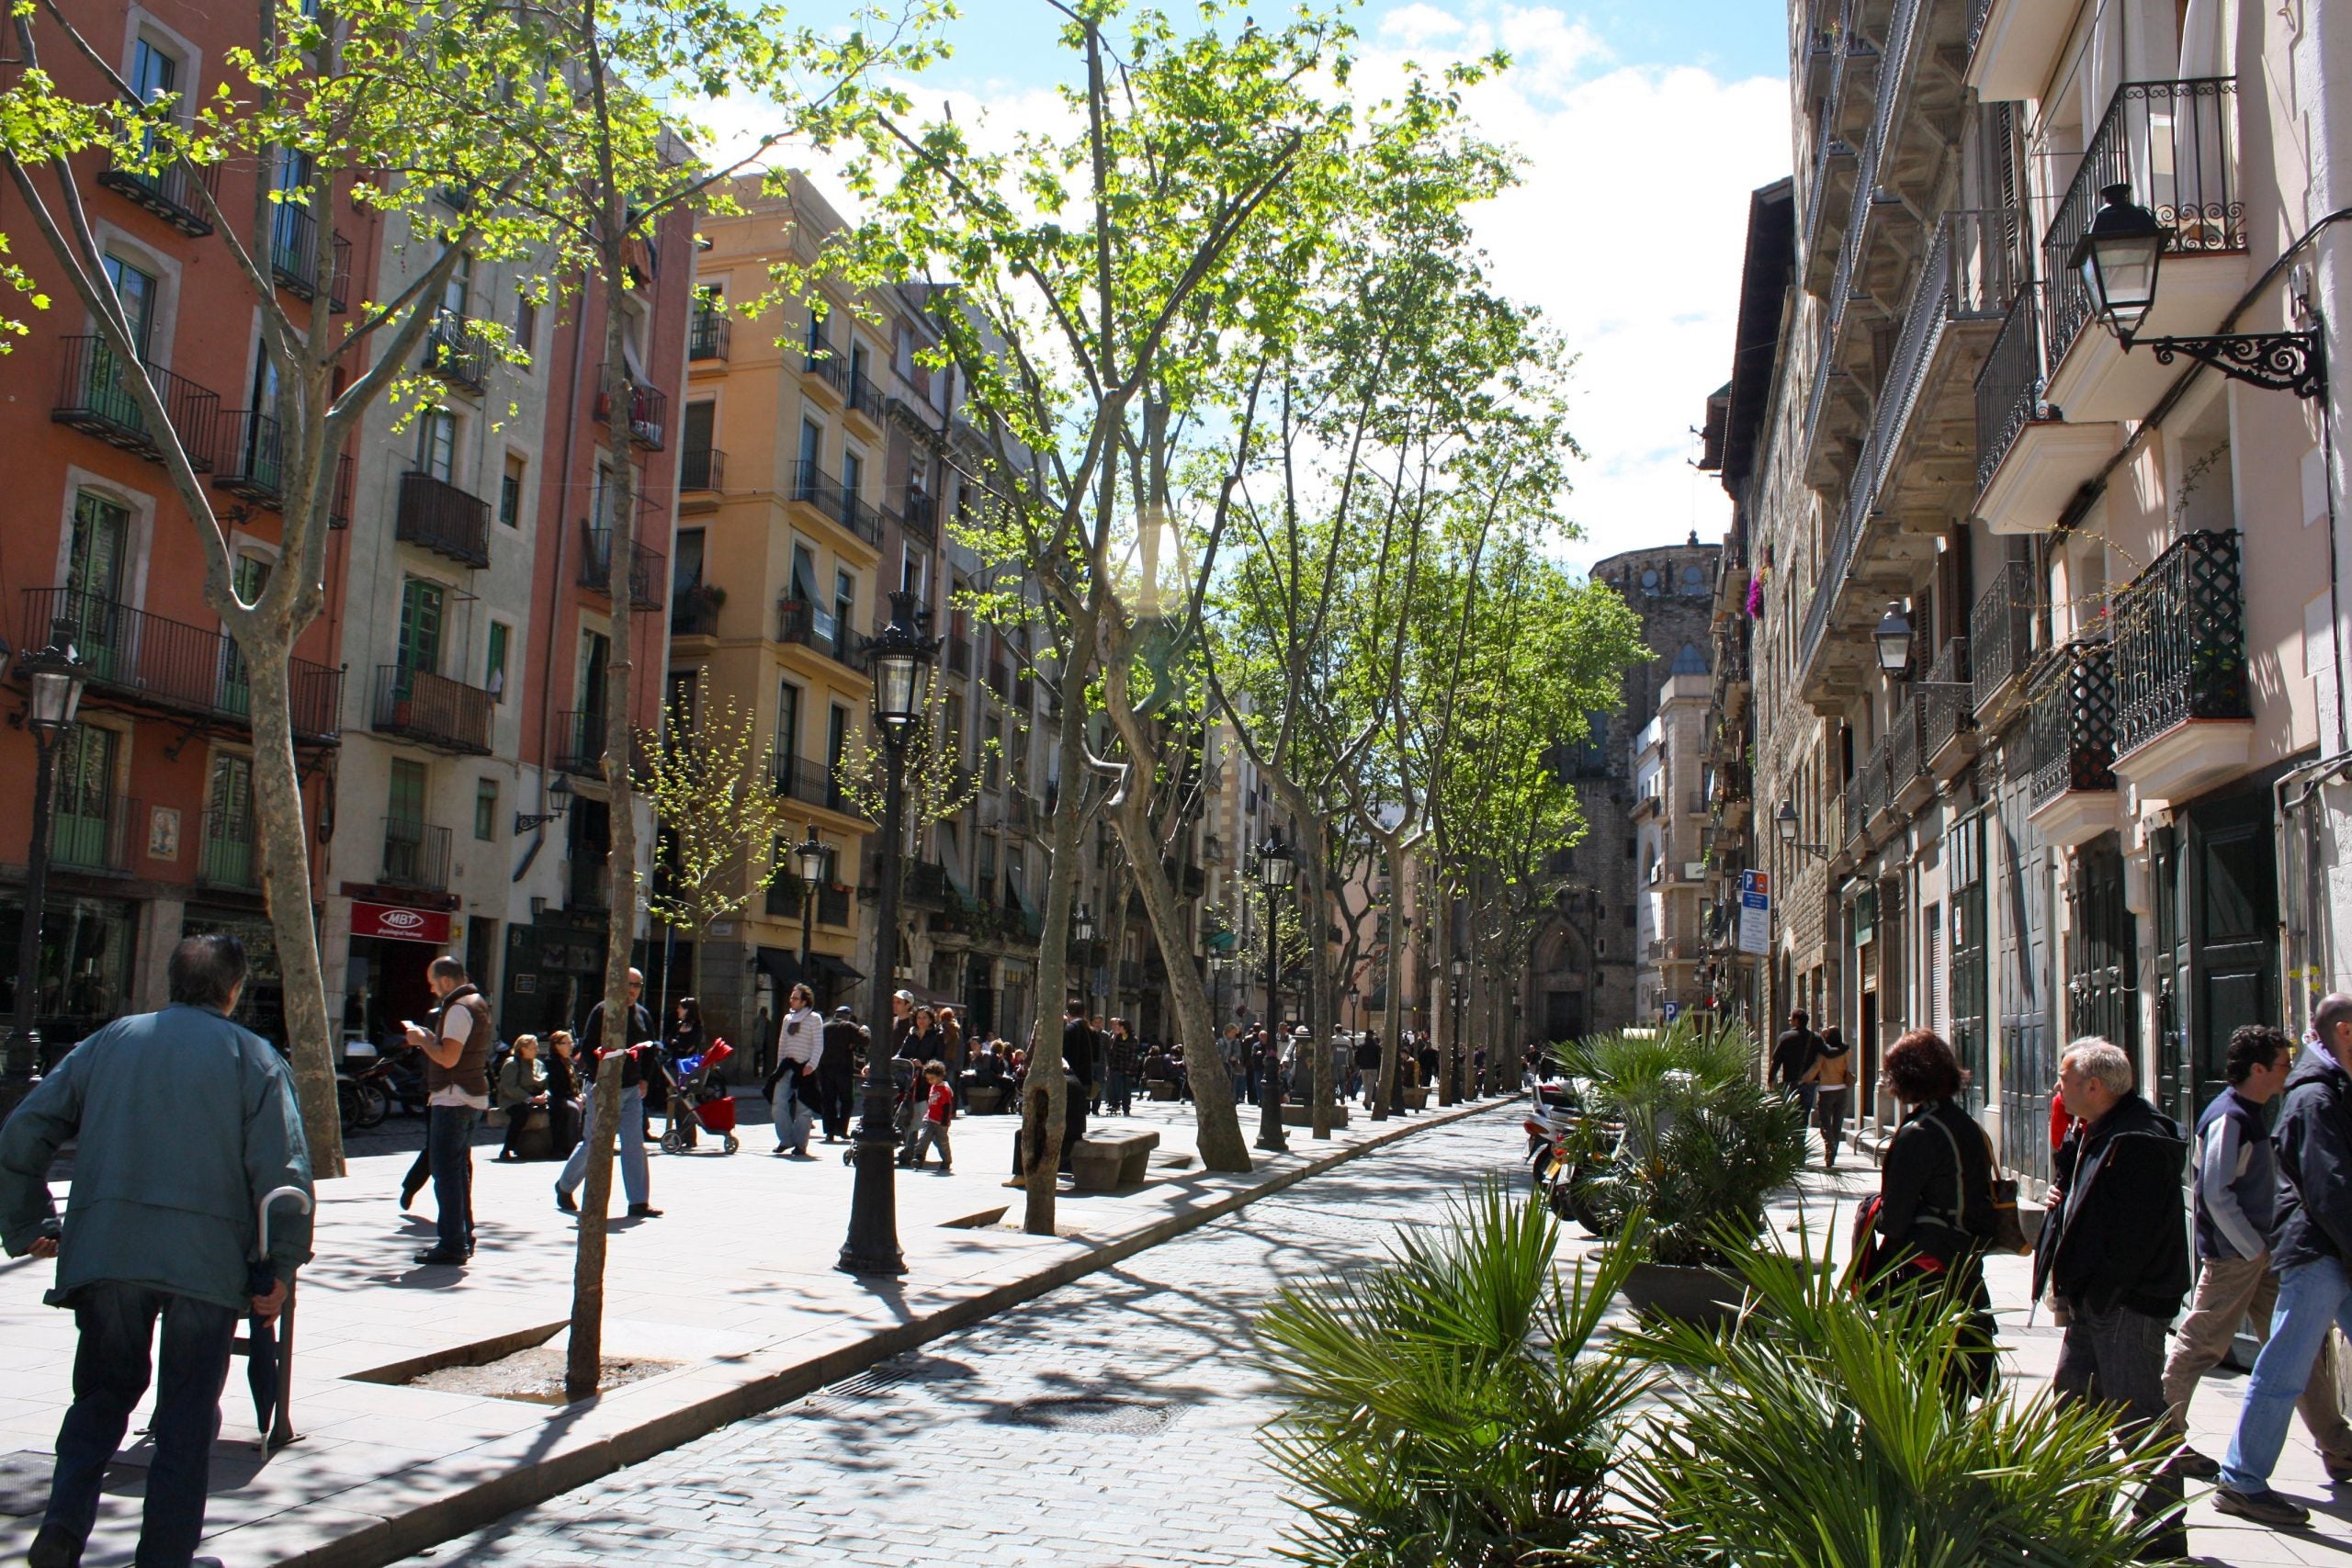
<point>579,742</point>
<point>707,333</point>
<point>2175,144</point>
<point>798,620</point>
<point>702,468</point>
<point>1855,798</point>
<point>435,710</point>
<point>2009,386</point>
<point>806,781</point>
<point>95,399</point>
<point>648,413</point>
<point>645,582</point>
<point>2179,642</point>
<point>832,906</point>
<point>693,611</point>
<point>294,259</point>
<point>1878,786</point>
<point>457,352</point>
<point>227,853</point>
<point>864,396</point>
<point>172,192</point>
<point>1948,701</point>
<point>1906,756</point>
<point>93,830</point>
<point>828,367</point>
<point>2072,730</point>
<point>442,518</point>
<point>252,466</point>
<point>416,854</point>
<point>831,500</point>
<point>918,513</point>
<point>2000,632</point>
<point>146,660</point>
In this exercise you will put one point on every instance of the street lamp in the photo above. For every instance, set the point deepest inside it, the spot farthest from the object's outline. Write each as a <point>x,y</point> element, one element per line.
<point>2118,257</point>
<point>1785,820</point>
<point>1275,868</point>
<point>559,804</point>
<point>1082,932</point>
<point>1455,1055</point>
<point>810,858</point>
<point>901,656</point>
<point>54,677</point>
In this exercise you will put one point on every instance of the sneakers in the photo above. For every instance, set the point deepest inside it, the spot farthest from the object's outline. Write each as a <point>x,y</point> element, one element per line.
<point>2264,1507</point>
<point>565,1201</point>
<point>2194,1465</point>
<point>52,1548</point>
<point>436,1258</point>
<point>643,1212</point>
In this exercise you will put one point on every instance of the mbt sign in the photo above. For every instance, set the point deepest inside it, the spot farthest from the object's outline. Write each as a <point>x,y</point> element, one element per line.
<point>401,925</point>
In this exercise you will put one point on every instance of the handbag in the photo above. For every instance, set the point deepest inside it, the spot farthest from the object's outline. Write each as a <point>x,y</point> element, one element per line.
<point>2008,1233</point>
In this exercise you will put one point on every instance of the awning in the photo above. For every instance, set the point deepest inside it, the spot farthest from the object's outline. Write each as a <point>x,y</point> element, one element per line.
<point>1221,942</point>
<point>834,969</point>
<point>963,893</point>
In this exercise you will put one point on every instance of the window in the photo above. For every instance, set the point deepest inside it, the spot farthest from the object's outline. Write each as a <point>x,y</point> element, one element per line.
<point>494,667</point>
<point>595,660</point>
<point>137,290</point>
<point>914,575</point>
<point>844,604</point>
<point>836,740</point>
<point>992,750</point>
<point>853,473</point>
<point>788,719</point>
<point>694,460</point>
<point>510,492</point>
<point>686,560</point>
<point>526,319</point>
<point>226,854</point>
<point>154,75</point>
<point>816,339</point>
<point>437,444</point>
<point>812,441</point>
<point>457,291</point>
<point>486,809</point>
<point>856,364</point>
<point>422,606</point>
<point>405,801</point>
<point>804,573</point>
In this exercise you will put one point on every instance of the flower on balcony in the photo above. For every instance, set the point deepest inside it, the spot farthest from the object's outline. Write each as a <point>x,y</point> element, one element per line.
<point>1756,594</point>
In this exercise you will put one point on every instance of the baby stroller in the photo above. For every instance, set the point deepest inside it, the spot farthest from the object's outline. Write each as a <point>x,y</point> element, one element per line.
<point>700,1102</point>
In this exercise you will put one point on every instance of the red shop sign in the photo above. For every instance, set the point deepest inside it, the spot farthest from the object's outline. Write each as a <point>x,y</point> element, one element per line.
<point>400,924</point>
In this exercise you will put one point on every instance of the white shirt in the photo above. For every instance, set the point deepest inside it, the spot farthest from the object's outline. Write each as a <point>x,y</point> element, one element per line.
<point>802,1038</point>
<point>456,1025</point>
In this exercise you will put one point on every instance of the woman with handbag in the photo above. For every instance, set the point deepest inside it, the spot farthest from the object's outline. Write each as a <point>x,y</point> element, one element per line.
<point>799,1045</point>
<point>1936,1214</point>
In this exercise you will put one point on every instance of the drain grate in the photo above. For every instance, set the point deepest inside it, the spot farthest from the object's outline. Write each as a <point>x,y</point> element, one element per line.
<point>1081,1412</point>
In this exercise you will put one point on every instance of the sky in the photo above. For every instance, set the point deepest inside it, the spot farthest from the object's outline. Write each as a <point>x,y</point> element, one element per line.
<point>1644,126</point>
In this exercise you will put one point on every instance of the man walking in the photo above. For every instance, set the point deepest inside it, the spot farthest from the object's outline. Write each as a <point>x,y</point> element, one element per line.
<point>846,1038</point>
<point>2236,1179</point>
<point>456,1093</point>
<point>2114,1248</point>
<point>636,1065</point>
<point>2308,1247</point>
<point>186,1125</point>
<point>1793,1057</point>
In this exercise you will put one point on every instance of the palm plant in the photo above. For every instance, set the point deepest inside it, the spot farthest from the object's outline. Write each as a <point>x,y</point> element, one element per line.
<point>1828,1439</point>
<point>1441,1409</point>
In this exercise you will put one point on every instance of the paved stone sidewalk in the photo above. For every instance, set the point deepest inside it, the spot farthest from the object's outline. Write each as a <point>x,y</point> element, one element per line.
<point>1111,1424</point>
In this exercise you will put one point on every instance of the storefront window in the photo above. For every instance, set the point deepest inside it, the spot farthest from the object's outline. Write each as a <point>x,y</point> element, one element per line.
<point>87,947</point>
<point>262,1009</point>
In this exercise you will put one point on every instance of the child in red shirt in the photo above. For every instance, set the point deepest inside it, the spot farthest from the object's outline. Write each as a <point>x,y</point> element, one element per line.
<point>930,1133</point>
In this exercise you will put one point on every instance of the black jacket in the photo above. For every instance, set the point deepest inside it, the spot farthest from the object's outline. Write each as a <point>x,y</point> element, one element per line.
<point>1793,1054</point>
<point>1077,1050</point>
<point>2116,1233</point>
<point>1928,1205</point>
<point>838,1062</point>
<point>2313,1145</point>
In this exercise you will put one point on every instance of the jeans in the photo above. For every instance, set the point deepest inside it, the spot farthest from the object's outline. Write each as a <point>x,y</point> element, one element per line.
<point>2229,1292</point>
<point>1123,1093</point>
<point>927,1135</point>
<point>449,1144</point>
<point>2311,1297</point>
<point>110,1373</point>
<point>633,1171</point>
<point>2117,1356</point>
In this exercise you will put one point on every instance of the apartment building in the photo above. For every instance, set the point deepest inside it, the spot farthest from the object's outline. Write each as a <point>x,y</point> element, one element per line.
<point>2043,632</point>
<point>1669,817</point>
<point>1583,974</point>
<point>153,833</point>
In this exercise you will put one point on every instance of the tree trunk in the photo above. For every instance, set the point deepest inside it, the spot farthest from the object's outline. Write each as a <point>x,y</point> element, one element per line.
<point>1392,1015</point>
<point>1043,1103</point>
<point>585,1356</point>
<point>1314,922</point>
<point>286,877</point>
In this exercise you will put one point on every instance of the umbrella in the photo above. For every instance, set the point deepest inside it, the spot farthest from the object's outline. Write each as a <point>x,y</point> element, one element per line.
<point>264,1349</point>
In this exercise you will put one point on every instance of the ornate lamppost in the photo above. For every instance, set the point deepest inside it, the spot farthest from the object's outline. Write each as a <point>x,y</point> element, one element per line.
<point>810,858</point>
<point>1275,868</point>
<point>902,656</point>
<point>1457,1056</point>
<point>54,676</point>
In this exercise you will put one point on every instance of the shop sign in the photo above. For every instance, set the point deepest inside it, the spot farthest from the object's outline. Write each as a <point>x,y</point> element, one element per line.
<point>398,923</point>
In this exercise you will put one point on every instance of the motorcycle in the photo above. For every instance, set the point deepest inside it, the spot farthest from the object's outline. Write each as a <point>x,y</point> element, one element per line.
<point>361,1103</point>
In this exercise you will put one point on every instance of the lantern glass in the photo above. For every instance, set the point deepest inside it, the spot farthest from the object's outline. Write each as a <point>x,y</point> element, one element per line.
<point>1274,863</point>
<point>1893,637</point>
<point>812,856</point>
<point>1786,820</point>
<point>2117,257</point>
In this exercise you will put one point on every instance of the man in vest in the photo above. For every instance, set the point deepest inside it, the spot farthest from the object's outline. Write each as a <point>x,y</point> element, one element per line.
<point>456,1093</point>
<point>2237,1194</point>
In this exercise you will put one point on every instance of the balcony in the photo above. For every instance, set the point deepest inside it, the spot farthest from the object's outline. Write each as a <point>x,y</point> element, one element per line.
<point>436,515</point>
<point>1878,787</point>
<point>2174,144</point>
<point>2184,713</point>
<point>649,413</point>
<point>96,400</point>
<point>456,351</point>
<point>959,655</point>
<point>579,742</point>
<point>832,906</point>
<point>2030,461</point>
<point>1856,802</point>
<point>828,372</point>
<point>694,610</point>
<point>2013,45</point>
<point>1909,783</point>
<point>1947,706</point>
<point>2000,640</point>
<point>921,881</point>
<point>433,710</point>
<point>812,783</point>
<point>645,571</point>
<point>798,620</point>
<point>143,661</point>
<point>251,466</point>
<point>864,401</point>
<point>835,504</point>
<point>416,855</point>
<point>95,832</point>
<point>1915,461</point>
<point>2072,736</point>
<point>707,334</point>
<point>294,258</point>
<point>702,469</point>
<point>173,192</point>
<point>917,514</point>
<point>227,855</point>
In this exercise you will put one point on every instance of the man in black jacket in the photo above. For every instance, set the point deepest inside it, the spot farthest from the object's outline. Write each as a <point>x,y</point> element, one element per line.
<point>1793,1054</point>
<point>2114,1246</point>
<point>2308,1246</point>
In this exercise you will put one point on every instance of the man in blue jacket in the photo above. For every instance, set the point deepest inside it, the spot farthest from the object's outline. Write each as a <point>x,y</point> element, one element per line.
<point>184,1122</point>
<point>2309,1247</point>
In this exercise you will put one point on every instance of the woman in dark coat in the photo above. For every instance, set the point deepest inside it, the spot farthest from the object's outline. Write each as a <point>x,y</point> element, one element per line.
<point>564,1096</point>
<point>687,1036</point>
<point>1935,1209</point>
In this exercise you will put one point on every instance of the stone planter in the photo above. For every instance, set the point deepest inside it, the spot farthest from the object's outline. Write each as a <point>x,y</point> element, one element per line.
<point>1706,1298</point>
<point>1304,1116</point>
<point>985,1100</point>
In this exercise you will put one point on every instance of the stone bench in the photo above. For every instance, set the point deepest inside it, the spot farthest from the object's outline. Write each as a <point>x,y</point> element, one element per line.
<point>1099,1163</point>
<point>1304,1116</point>
<point>1161,1088</point>
<point>985,1100</point>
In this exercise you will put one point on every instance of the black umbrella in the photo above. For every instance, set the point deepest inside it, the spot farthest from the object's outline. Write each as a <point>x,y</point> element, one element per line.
<point>265,1350</point>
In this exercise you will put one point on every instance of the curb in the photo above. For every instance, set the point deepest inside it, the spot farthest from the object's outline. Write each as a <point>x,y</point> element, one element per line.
<point>388,1541</point>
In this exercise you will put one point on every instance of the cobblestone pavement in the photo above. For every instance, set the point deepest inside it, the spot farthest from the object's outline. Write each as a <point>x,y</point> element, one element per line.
<point>1109,1424</point>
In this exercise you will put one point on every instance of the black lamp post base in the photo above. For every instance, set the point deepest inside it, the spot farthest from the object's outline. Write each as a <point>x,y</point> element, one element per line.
<point>872,1244</point>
